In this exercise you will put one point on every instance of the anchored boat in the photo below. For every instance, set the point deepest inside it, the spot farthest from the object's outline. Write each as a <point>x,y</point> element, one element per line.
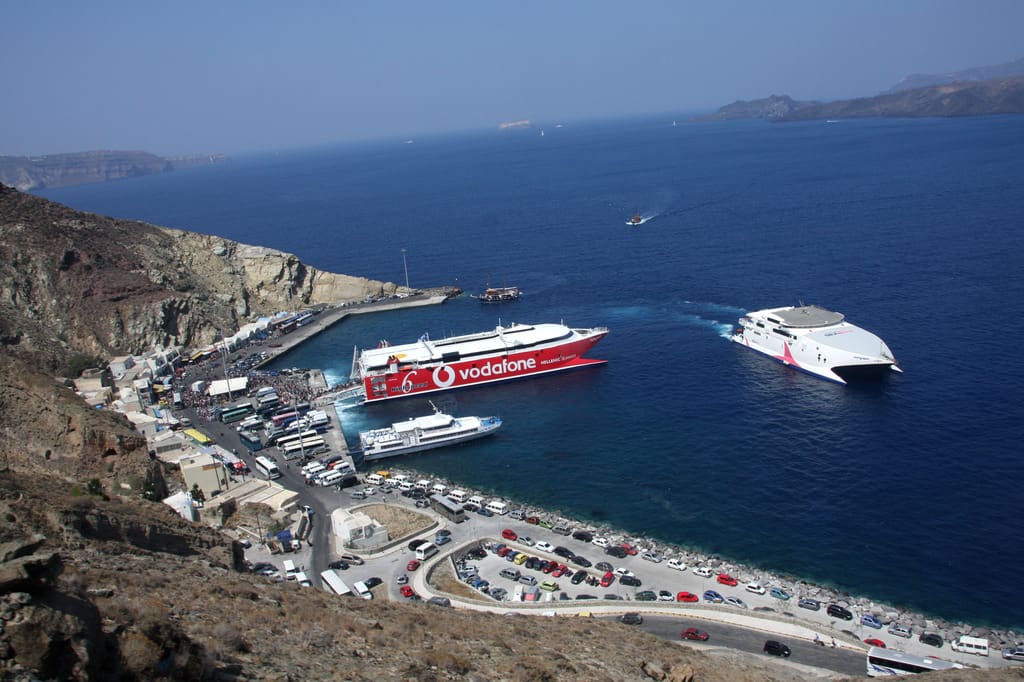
<point>504,353</point>
<point>424,433</point>
<point>817,341</point>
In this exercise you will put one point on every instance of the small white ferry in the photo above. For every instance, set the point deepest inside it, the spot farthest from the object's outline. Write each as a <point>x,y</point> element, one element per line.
<point>424,433</point>
<point>817,341</point>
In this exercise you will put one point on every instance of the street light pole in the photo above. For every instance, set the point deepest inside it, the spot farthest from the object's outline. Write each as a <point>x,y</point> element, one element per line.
<point>224,363</point>
<point>405,265</point>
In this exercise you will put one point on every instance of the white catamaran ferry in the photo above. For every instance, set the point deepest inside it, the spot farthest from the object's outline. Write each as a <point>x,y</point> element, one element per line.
<point>424,433</point>
<point>817,341</point>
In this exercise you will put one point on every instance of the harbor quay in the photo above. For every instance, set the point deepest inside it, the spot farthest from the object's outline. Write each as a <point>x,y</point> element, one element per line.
<point>769,614</point>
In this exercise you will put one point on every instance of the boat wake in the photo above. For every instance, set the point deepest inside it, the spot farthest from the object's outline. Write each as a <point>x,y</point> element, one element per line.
<point>723,329</point>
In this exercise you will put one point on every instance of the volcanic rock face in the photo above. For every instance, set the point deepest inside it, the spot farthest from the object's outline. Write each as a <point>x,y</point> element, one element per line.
<point>80,282</point>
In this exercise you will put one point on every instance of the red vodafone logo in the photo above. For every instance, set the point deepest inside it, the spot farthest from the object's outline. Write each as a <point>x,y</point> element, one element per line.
<point>444,376</point>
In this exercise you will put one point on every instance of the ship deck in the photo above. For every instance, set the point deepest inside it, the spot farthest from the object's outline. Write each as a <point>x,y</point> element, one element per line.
<point>808,316</point>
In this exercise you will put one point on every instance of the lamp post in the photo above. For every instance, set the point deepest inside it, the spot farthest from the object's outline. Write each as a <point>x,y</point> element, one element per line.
<point>224,363</point>
<point>405,266</point>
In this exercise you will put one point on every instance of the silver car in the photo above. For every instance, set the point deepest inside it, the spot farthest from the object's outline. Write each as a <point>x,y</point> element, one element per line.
<point>1015,654</point>
<point>900,631</point>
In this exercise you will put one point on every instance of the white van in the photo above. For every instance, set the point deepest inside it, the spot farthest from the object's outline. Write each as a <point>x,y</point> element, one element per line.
<point>477,500</point>
<point>426,550</point>
<point>423,484</point>
<point>398,479</point>
<point>301,579</point>
<point>375,479</point>
<point>331,478</point>
<point>405,485</point>
<point>362,590</point>
<point>457,496</point>
<point>498,507</point>
<point>289,569</point>
<point>970,645</point>
<point>313,470</point>
<point>439,489</point>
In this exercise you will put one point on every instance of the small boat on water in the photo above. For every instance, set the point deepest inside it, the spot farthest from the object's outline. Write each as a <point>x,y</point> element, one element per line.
<point>637,219</point>
<point>502,294</point>
<point>424,433</point>
<point>817,341</point>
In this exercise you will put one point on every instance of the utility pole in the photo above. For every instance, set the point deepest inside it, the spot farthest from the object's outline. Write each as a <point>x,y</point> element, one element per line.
<point>405,265</point>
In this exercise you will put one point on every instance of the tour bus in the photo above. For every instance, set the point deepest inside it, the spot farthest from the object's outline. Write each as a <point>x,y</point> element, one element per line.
<point>889,662</point>
<point>250,440</point>
<point>235,413</point>
<point>452,511</point>
<point>177,402</point>
<point>284,441</point>
<point>250,424</point>
<point>304,445</point>
<point>970,645</point>
<point>282,420</point>
<point>334,583</point>
<point>267,467</point>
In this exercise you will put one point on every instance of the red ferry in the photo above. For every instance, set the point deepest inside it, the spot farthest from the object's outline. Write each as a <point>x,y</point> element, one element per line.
<point>502,354</point>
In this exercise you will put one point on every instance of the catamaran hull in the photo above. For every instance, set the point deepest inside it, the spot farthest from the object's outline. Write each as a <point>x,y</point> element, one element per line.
<point>406,382</point>
<point>818,342</point>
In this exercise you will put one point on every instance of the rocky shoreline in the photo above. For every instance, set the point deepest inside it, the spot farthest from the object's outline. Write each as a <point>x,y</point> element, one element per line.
<point>798,588</point>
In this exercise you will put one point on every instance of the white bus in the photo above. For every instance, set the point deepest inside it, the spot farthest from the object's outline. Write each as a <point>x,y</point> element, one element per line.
<point>334,583</point>
<point>887,663</point>
<point>308,445</point>
<point>285,441</point>
<point>267,467</point>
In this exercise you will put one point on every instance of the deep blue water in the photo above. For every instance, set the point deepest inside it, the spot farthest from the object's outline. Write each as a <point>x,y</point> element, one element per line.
<point>908,491</point>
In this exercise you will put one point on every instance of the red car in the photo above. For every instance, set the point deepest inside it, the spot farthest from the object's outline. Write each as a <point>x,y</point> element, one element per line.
<point>726,579</point>
<point>630,549</point>
<point>694,634</point>
<point>509,534</point>
<point>552,565</point>
<point>687,597</point>
<point>407,591</point>
<point>412,565</point>
<point>559,571</point>
<point>532,520</point>
<point>503,551</point>
<point>607,579</point>
<point>871,641</point>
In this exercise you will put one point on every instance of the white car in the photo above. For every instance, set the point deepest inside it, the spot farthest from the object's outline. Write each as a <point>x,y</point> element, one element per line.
<point>677,564</point>
<point>754,587</point>
<point>653,557</point>
<point>526,540</point>
<point>736,601</point>
<point>601,542</point>
<point>620,572</point>
<point>545,547</point>
<point>703,571</point>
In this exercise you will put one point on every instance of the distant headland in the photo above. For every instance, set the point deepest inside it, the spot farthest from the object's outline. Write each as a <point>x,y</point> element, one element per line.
<point>979,91</point>
<point>58,170</point>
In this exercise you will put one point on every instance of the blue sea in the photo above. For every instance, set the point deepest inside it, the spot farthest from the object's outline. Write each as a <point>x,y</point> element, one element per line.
<point>908,491</point>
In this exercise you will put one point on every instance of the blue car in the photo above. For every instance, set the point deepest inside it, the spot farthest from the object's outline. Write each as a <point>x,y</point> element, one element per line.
<point>871,621</point>
<point>713,597</point>
<point>779,593</point>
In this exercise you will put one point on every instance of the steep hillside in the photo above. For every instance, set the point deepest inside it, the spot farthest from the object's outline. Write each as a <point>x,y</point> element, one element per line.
<point>74,282</point>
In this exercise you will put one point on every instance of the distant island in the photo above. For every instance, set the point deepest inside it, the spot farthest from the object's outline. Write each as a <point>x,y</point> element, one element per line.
<point>964,93</point>
<point>58,170</point>
<point>525,123</point>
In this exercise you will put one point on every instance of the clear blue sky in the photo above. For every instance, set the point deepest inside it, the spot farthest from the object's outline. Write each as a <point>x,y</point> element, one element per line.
<point>181,77</point>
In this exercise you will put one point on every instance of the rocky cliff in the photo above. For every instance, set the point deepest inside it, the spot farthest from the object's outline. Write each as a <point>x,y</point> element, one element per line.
<point>57,170</point>
<point>74,282</point>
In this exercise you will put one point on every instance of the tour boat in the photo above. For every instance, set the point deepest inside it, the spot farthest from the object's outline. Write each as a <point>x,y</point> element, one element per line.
<point>504,353</point>
<point>817,341</point>
<point>498,295</point>
<point>424,433</point>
